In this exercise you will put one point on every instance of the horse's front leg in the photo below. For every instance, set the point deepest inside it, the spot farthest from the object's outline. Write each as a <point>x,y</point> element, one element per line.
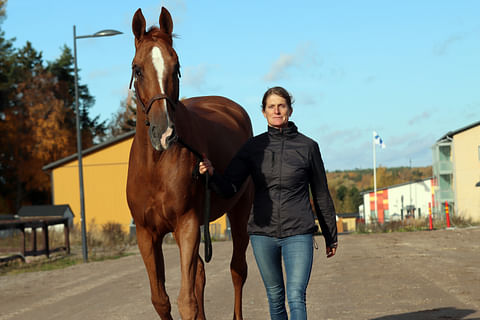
<point>188,240</point>
<point>151,249</point>
<point>200,287</point>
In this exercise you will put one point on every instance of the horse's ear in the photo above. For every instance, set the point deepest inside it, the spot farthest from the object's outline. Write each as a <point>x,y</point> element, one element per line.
<point>166,23</point>
<point>138,25</point>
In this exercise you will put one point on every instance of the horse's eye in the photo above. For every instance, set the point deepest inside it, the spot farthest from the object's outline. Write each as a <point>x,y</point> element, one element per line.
<point>137,71</point>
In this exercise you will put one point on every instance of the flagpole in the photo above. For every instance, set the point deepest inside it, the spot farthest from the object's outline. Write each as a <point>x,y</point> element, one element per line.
<point>375,177</point>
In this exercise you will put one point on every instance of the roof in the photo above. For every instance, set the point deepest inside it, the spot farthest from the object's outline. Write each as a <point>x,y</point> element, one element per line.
<point>93,149</point>
<point>349,215</point>
<point>450,134</point>
<point>44,211</point>
<point>397,185</point>
<point>7,216</point>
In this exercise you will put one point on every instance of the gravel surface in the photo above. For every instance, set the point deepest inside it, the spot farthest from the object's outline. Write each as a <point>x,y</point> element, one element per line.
<point>397,276</point>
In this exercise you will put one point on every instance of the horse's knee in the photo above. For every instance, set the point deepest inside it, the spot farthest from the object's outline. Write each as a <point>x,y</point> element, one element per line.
<point>187,307</point>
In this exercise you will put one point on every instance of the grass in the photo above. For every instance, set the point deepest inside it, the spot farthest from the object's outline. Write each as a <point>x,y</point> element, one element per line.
<point>410,225</point>
<point>105,242</point>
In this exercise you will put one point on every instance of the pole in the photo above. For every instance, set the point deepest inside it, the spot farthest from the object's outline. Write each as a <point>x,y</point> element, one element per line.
<point>430,222</point>
<point>410,188</point>
<point>447,214</point>
<point>375,178</point>
<point>79,154</point>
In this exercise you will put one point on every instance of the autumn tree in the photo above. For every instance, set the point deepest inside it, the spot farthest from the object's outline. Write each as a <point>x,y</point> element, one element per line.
<point>63,70</point>
<point>37,120</point>
<point>125,119</point>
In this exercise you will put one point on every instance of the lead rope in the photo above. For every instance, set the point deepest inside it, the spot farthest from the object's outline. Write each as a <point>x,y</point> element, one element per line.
<point>206,221</point>
<point>206,214</point>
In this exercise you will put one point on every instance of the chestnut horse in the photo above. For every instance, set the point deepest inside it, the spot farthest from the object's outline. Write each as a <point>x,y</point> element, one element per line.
<point>162,191</point>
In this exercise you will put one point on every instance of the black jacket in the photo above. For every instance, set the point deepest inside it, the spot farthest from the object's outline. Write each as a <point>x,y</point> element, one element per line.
<point>282,163</point>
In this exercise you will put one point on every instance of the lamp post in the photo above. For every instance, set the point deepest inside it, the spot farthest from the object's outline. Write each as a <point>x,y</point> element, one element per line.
<point>103,33</point>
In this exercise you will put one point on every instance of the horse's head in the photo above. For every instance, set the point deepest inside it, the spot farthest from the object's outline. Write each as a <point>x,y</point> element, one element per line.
<point>156,71</point>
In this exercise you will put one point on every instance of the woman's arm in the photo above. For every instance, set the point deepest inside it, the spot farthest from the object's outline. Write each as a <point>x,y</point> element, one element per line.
<point>231,181</point>
<point>322,201</point>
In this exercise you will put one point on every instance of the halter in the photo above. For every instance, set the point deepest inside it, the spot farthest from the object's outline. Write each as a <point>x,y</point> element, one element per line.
<point>156,97</point>
<point>206,217</point>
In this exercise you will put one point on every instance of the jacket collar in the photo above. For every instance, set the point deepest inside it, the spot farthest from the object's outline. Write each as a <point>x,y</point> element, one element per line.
<point>289,131</point>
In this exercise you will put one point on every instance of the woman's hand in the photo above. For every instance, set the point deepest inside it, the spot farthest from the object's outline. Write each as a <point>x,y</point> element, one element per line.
<point>331,251</point>
<point>205,165</point>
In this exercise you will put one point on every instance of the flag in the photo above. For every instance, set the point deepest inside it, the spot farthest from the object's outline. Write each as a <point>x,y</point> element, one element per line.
<point>378,140</point>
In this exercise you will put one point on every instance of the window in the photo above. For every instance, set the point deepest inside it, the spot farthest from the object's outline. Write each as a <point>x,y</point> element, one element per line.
<point>444,153</point>
<point>445,181</point>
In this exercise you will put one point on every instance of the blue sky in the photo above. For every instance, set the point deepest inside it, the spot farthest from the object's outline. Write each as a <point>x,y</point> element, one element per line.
<point>406,69</point>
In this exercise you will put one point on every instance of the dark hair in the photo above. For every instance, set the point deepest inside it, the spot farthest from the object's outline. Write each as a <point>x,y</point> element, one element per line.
<point>279,91</point>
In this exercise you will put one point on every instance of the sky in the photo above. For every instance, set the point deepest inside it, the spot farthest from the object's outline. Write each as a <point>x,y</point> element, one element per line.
<point>408,70</point>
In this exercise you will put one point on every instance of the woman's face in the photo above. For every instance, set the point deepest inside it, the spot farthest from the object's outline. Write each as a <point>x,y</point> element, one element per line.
<point>277,111</point>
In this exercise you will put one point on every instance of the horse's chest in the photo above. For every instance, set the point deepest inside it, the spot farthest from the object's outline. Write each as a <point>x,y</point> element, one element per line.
<point>168,190</point>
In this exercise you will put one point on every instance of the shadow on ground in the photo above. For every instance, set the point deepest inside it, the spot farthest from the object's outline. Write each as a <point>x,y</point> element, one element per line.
<point>433,314</point>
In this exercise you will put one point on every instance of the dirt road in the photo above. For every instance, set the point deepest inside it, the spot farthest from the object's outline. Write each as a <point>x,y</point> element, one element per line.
<point>396,276</point>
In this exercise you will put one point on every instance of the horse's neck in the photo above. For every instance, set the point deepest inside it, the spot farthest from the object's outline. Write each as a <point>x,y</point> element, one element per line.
<point>188,128</point>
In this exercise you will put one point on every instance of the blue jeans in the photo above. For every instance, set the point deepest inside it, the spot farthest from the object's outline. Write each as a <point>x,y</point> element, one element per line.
<point>297,253</point>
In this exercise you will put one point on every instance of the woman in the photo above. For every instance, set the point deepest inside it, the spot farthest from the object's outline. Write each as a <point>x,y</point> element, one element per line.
<point>283,163</point>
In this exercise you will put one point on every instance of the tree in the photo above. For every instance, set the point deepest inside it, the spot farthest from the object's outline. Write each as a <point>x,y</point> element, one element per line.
<point>63,69</point>
<point>6,67</point>
<point>15,133</point>
<point>125,119</point>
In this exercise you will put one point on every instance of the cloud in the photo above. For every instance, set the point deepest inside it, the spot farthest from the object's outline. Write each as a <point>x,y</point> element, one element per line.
<point>413,145</point>
<point>101,73</point>
<point>306,99</point>
<point>420,117</point>
<point>195,76</point>
<point>442,48</point>
<point>346,149</point>
<point>280,67</point>
<point>370,79</point>
<point>471,111</point>
<point>303,56</point>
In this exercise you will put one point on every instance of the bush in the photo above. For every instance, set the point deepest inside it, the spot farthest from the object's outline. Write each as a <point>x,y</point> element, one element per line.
<point>102,240</point>
<point>113,234</point>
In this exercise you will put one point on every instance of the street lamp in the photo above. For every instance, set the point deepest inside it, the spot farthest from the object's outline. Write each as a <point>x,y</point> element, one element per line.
<point>103,33</point>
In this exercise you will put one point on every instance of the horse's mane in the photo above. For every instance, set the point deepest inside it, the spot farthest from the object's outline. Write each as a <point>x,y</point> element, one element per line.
<point>155,33</point>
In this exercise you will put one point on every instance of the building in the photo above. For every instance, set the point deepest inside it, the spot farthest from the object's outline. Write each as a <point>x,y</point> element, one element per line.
<point>456,169</point>
<point>105,169</point>
<point>347,222</point>
<point>398,202</point>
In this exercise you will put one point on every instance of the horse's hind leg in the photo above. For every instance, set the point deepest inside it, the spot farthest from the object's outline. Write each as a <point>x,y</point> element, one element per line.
<point>238,266</point>
<point>151,249</point>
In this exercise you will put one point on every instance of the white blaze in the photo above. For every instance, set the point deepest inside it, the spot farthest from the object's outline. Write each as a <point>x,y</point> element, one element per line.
<point>159,65</point>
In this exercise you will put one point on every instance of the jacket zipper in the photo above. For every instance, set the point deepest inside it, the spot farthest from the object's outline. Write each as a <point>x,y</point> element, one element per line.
<point>279,228</point>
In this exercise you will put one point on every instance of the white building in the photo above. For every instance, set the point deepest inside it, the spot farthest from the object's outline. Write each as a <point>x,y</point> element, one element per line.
<point>398,202</point>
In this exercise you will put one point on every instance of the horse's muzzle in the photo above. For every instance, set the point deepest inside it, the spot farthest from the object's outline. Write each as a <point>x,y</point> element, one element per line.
<point>161,139</point>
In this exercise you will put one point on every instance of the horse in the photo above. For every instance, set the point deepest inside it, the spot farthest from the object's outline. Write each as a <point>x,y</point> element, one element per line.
<point>164,192</point>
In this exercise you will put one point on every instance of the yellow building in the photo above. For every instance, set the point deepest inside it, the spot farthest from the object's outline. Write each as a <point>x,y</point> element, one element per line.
<point>105,169</point>
<point>456,167</point>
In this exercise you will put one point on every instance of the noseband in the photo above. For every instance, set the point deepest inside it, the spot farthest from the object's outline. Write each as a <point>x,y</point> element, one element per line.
<point>156,97</point>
